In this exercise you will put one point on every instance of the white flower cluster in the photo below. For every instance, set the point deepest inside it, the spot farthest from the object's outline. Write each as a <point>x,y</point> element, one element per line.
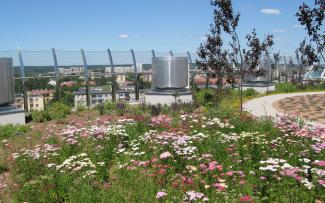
<point>126,121</point>
<point>274,165</point>
<point>117,130</point>
<point>38,152</point>
<point>105,131</point>
<point>190,117</point>
<point>134,146</point>
<point>192,196</point>
<point>78,163</point>
<point>286,169</point>
<point>227,138</point>
<point>254,137</point>
<point>181,143</point>
<point>199,136</point>
<point>307,184</point>
<point>216,121</point>
<point>94,132</point>
<point>319,172</point>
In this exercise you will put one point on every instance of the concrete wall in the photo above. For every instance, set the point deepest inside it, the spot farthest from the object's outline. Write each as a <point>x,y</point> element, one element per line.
<point>166,99</point>
<point>10,115</point>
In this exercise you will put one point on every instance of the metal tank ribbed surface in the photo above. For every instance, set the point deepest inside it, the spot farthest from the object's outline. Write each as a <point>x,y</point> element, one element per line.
<point>169,73</point>
<point>6,81</point>
<point>265,78</point>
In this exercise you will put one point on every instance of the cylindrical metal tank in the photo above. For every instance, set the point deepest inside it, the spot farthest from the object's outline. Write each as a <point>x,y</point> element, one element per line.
<point>7,91</point>
<point>169,72</point>
<point>265,78</point>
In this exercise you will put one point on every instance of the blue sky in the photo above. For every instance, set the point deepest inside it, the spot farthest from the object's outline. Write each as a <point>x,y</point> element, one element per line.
<point>139,24</point>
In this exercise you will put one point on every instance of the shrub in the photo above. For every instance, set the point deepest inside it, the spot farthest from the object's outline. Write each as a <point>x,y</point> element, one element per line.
<point>155,110</point>
<point>40,116</point>
<point>109,106</point>
<point>58,110</point>
<point>249,92</point>
<point>322,85</point>
<point>175,107</point>
<point>120,108</point>
<point>145,108</point>
<point>188,107</point>
<point>166,109</point>
<point>285,87</point>
<point>205,96</point>
<point>3,168</point>
<point>302,87</point>
<point>288,87</point>
<point>137,110</point>
<point>7,131</point>
<point>101,109</point>
<point>81,108</point>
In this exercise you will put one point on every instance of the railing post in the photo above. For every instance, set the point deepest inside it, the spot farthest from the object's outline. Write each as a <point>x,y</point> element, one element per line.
<point>153,53</point>
<point>269,70</point>
<point>86,76</point>
<point>23,79</point>
<point>207,75</point>
<point>171,54</point>
<point>153,56</point>
<point>112,74</point>
<point>191,69</point>
<point>136,79</point>
<point>57,75</point>
<point>207,79</point>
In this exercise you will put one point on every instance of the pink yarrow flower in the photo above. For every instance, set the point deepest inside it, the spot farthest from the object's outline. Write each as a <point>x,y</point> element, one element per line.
<point>161,195</point>
<point>246,198</point>
<point>319,163</point>
<point>229,173</point>
<point>165,155</point>
<point>321,182</point>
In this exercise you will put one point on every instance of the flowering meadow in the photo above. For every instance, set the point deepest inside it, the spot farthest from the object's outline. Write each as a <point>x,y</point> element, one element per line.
<point>207,155</point>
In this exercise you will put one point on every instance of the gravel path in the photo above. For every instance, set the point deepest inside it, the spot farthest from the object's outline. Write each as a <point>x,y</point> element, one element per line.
<point>262,106</point>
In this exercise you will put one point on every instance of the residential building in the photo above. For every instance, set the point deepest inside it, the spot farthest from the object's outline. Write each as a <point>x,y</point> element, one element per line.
<point>35,102</point>
<point>68,84</point>
<point>91,82</point>
<point>71,70</point>
<point>19,101</point>
<point>147,76</point>
<point>121,79</point>
<point>98,96</point>
<point>124,69</point>
<point>37,99</point>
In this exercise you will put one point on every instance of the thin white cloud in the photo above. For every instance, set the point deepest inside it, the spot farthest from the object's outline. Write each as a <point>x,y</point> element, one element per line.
<point>204,38</point>
<point>124,36</point>
<point>136,36</point>
<point>298,26</point>
<point>279,30</point>
<point>246,8</point>
<point>270,11</point>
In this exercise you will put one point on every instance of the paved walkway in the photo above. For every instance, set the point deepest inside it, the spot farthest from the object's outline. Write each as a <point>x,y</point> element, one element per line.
<point>262,106</point>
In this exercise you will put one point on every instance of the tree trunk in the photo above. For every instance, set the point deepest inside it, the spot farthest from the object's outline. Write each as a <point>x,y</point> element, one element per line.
<point>207,80</point>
